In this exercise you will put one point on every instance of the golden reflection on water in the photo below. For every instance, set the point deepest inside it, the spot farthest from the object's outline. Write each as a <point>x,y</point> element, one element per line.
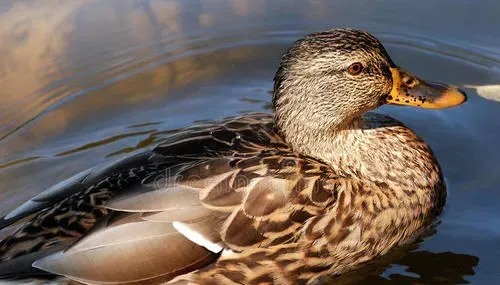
<point>47,41</point>
<point>150,85</point>
<point>32,37</point>
<point>55,50</point>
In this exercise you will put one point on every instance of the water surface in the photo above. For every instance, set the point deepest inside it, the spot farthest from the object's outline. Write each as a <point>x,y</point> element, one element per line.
<point>88,81</point>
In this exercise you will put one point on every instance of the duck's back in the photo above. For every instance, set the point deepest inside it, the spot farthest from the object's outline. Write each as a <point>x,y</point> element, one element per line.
<point>160,213</point>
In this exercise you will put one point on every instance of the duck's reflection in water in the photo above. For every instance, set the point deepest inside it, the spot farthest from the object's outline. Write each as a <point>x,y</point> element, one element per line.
<point>414,267</point>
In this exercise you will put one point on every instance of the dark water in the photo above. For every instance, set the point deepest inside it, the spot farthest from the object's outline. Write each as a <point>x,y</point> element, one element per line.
<point>83,82</point>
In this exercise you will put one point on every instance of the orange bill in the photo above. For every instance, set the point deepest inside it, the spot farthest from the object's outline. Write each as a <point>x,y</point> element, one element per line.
<point>409,90</point>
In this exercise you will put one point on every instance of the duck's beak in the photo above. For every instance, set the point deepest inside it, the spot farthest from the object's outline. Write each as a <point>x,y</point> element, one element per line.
<point>407,89</point>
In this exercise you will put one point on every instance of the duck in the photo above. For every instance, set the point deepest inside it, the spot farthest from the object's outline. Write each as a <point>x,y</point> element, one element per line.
<point>318,188</point>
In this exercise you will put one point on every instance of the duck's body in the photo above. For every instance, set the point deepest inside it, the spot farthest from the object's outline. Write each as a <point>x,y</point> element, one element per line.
<point>287,200</point>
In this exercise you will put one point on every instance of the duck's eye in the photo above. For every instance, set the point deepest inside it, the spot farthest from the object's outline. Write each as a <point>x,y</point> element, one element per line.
<point>355,68</point>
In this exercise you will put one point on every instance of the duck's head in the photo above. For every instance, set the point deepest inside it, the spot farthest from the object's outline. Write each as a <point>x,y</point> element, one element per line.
<point>328,79</point>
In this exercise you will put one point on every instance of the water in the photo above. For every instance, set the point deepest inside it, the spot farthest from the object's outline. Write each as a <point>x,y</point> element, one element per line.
<point>87,81</point>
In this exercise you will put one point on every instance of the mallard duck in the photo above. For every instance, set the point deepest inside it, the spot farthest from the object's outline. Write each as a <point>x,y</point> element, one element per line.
<point>314,190</point>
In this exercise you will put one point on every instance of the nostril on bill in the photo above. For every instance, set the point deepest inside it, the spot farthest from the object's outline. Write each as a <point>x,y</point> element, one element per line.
<point>408,81</point>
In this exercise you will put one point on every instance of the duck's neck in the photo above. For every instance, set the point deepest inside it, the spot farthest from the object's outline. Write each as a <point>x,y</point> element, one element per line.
<point>373,148</point>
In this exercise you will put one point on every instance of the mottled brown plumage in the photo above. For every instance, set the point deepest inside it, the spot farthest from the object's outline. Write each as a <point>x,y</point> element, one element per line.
<point>315,190</point>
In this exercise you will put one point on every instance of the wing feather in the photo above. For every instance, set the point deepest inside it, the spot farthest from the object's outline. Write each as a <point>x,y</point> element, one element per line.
<point>127,249</point>
<point>188,213</point>
<point>148,199</point>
